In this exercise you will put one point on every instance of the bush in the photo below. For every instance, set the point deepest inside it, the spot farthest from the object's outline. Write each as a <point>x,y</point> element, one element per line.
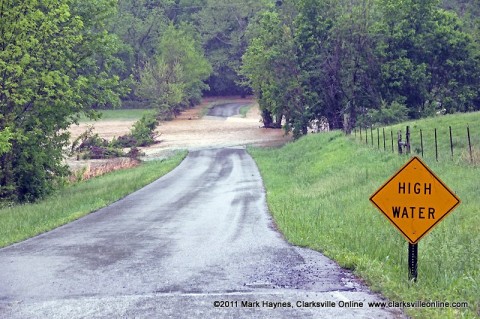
<point>134,153</point>
<point>101,152</point>
<point>144,130</point>
<point>92,146</point>
<point>125,141</point>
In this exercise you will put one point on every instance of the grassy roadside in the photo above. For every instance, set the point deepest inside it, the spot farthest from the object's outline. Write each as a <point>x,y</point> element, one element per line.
<point>425,128</point>
<point>318,190</point>
<point>24,221</point>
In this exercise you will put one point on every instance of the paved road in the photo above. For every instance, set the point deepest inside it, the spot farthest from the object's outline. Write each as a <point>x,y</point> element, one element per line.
<point>198,235</point>
<point>226,110</point>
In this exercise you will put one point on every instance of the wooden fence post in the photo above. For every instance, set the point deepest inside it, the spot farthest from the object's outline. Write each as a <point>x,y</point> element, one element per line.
<point>451,141</point>
<point>384,141</point>
<point>400,143</point>
<point>470,143</point>
<point>407,142</point>
<point>421,141</point>
<point>371,133</point>
<point>391,138</point>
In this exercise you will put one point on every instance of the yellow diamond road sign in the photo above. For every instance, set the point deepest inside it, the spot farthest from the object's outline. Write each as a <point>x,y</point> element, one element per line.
<point>414,200</point>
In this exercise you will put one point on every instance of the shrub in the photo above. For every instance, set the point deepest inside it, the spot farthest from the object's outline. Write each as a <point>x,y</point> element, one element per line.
<point>92,146</point>
<point>125,141</point>
<point>144,130</point>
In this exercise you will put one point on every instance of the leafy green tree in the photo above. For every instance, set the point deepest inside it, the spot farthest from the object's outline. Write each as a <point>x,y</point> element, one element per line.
<point>319,58</point>
<point>314,59</point>
<point>267,67</point>
<point>5,137</point>
<point>160,84</point>
<point>178,47</point>
<point>340,69</point>
<point>54,63</point>
<point>222,25</point>
<point>428,62</point>
<point>174,79</point>
<point>139,25</point>
<point>368,59</point>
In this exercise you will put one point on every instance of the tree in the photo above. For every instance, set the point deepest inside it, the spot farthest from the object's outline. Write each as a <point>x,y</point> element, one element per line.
<point>428,62</point>
<point>139,25</point>
<point>369,59</point>
<point>222,26</point>
<point>272,68</point>
<point>54,63</point>
<point>173,80</point>
<point>5,137</point>
<point>314,59</point>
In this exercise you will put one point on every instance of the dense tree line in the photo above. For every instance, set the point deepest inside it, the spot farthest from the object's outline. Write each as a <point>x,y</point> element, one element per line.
<point>349,61</point>
<point>361,62</point>
<point>216,27</point>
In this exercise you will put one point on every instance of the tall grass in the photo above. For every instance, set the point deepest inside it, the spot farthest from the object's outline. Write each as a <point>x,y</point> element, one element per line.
<point>318,191</point>
<point>72,202</point>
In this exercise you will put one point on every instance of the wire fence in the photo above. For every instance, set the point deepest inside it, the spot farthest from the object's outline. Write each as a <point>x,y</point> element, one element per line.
<point>458,144</point>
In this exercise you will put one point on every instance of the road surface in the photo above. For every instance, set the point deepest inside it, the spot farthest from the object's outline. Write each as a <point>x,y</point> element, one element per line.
<point>198,238</point>
<point>226,110</point>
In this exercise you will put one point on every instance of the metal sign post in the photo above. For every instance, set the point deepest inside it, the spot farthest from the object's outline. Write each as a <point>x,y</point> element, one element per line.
<point>414,200</point>
<point>412,261</point>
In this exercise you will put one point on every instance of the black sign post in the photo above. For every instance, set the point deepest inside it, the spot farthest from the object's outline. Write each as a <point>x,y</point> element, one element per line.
<point>412,262</point>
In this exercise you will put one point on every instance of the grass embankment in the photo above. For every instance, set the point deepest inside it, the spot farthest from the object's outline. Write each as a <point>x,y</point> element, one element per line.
<point>318,191</point>
<point>458,124</point>
<point>72,202</point>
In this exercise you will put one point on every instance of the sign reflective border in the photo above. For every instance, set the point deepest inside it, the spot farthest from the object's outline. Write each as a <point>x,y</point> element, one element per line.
<point>414,200</point>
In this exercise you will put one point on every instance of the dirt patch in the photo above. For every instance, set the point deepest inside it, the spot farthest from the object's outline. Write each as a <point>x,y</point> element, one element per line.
<point>192,130</point>
<point>86,169</point>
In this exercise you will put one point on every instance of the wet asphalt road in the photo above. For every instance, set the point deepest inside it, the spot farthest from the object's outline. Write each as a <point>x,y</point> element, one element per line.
<point>226,110</point>
<point>200,234</point>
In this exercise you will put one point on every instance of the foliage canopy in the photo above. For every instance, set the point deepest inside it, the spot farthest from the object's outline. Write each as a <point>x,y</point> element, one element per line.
<point>55,60</point>
<point>346,60</point>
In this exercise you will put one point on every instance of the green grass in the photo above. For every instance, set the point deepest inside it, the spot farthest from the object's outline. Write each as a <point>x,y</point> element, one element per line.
<point>457,122</point>
<point>20,222</point>
<point>121,114</point>
<point>318,191</point>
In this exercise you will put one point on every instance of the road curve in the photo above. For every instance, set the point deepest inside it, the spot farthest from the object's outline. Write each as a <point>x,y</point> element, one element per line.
<point>200,234</point>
